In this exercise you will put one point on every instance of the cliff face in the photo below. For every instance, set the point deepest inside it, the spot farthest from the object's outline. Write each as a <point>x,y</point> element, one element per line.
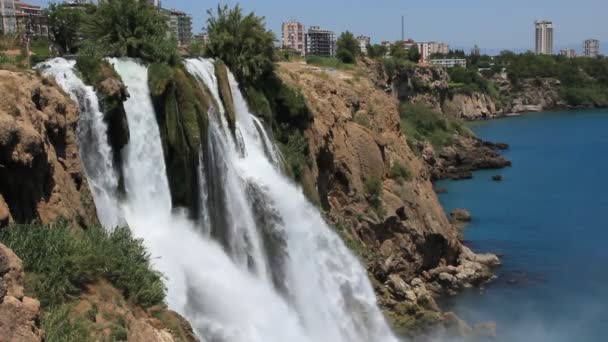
<point>431,85</point>
<point>40,172</point>
<point>411,250</point>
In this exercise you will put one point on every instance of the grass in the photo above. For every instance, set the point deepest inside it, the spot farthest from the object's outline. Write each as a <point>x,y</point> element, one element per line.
<point>60,326</point>
<point>422,123</point>
<point>329,62</point>
<point>295,154</point>
<point>60,261</point>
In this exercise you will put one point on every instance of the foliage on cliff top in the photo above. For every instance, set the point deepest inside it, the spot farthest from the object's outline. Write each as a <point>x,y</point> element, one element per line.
<point>129,28</point>
<point>60,261</point>
<point>422,123</point>
<point>347,48</point>
<point>65,25</point>
<point>242,42</point>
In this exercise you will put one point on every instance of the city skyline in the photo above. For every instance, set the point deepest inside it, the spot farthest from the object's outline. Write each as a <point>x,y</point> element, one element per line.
<point>461,24</point>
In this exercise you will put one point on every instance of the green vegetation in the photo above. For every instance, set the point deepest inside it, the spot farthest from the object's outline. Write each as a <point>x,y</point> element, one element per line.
<point>65,26</point>
<point>373,191</point>
<point>469,81</point>
<point>60,261</point>
<point>328,62</point>
<point>242,42</point>
<point>419,122</point>
<point>128,28</point>
<point>411,319</point>
<point>347,48</point>
<point>400,173</point>
<point>377,51</point>
<point>413,54</point>
<point>295,153</point>
<point>59,326</point>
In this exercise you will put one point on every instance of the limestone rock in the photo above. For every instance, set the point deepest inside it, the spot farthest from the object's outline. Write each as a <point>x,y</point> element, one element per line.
<point>5,214</point>
<point>41,175</point>
<point>460,216</point>
<point>19,315</point>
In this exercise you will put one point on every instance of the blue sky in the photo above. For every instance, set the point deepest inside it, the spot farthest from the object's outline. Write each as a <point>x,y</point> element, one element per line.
<point>492,24</point>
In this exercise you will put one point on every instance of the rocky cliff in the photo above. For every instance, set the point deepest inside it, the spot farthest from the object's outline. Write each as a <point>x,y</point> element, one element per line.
<point>432,86</point>
<point>41,177</point>
<point>379,196</point>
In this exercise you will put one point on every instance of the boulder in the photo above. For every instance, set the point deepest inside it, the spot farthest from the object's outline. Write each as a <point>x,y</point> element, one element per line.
<point>5,214</point>
<point>460,215</point>
<point>497,178</point>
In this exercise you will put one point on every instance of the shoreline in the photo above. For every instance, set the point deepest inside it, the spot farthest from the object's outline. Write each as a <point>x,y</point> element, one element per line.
<point>499,116</point>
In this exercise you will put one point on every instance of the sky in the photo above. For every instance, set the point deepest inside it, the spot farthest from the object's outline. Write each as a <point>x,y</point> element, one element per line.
<point>491,24</point>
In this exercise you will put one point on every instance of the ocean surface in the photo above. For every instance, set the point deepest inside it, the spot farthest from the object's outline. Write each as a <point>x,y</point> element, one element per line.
<point>548,220</point>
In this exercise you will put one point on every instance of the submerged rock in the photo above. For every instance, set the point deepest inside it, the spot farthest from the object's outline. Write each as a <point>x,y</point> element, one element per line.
<point>497,178</point>
<point>460,216</point>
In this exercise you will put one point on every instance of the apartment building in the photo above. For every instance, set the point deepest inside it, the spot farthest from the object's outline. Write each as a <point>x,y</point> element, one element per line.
<point>544,37</point>
<point>450,62</point>
<point>320,42</point>
<point>591,47</point>
<point>292,36</point>
<point>570,53</point>
<point>8,21</point>
<point>31,19</point>
<point>438,48</point>
<point>180,25</point>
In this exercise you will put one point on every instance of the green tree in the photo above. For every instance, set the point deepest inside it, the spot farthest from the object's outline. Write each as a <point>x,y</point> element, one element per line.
<point>413,54</point>
<point>242,42</point>
<point>398,51</point>
<point>376,51</point>
<point>196,49</point>
<point>65,25</point>
<point>347,48</point>
<point>129,28</point>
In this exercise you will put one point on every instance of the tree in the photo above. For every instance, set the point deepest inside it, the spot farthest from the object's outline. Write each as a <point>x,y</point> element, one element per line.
<point>196,48</point>
<point>413,54</point>
<point>398,51</point>
<point>129,28</point>
<point>376,51</point>
<point>65,25</point>
<point>347,48</point>
<point>242,42</point>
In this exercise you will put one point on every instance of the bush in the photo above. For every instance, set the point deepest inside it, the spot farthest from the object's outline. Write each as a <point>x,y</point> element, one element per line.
<point>295,153</point>
<point>59,262</point>
<point>373,191</point>
<point>422,123</point>
<point>60,327</point>
<point>328,62</point>
<point>400,173</point>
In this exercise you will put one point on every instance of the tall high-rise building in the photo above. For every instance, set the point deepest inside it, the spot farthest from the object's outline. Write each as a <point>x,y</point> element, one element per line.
<point>544,37</point>
<point>591,47</point>
<point>320,42</point>
<point>8,21</point>
<point>292,36</point>
<point>570,53</point>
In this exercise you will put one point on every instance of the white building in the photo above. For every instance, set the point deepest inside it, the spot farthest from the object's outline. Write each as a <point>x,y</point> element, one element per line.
<point>544,37</point>
<point>438,47</point>
<point>364,42</point>
<point>424,50</point>
<point>450,62</point>
<point>570,53</point>
<point>8,21</point>
<point>591,47</point>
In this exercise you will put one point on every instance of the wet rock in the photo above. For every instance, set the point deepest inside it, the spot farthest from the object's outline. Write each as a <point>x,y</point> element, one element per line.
<point>497,178</point>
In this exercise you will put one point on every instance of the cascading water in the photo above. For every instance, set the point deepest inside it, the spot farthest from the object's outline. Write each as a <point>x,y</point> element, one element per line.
<point>96,154</point>
<point>269,269</point>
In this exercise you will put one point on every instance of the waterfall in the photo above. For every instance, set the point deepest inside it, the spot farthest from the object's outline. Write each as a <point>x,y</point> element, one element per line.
<point>92,134</point>
<point>267,268</point>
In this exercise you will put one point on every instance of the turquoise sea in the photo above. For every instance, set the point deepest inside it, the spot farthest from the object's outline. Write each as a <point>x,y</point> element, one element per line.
<point>548,220</point>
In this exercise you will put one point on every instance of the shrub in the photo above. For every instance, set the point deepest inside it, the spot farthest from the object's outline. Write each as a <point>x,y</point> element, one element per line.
<point>60,327</point>
<point>295,153</point>
<point>400,173</point>
<point>373,191</point>
<point>328,62</point>
<point>59,262</point>
<point>422,123</point>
